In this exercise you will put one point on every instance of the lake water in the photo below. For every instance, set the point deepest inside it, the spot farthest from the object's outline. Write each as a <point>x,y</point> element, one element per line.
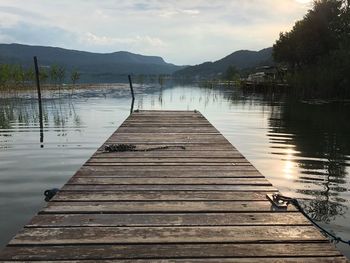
<point>302,148</point>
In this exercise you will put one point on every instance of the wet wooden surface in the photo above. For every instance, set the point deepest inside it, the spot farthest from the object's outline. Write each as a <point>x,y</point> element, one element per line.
<point>197,200</point>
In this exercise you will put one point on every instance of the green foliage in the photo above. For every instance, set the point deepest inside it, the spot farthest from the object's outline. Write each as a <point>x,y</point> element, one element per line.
<point>75,76</point>
<point>5,73</point>
<point>53,73</point>
<point>15,75</point>
<point>61,73</point>
<point>18,76</point>
<point>30,75</point>
<point>317,50</point>
<point>43,75</point>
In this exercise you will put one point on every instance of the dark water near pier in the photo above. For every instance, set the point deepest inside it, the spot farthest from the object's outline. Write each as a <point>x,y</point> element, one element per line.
<point>303,148</point>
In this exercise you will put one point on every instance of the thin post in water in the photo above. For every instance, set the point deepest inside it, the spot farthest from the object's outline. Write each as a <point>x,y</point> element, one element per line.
<point>131,88</point>
<point>39,100</point>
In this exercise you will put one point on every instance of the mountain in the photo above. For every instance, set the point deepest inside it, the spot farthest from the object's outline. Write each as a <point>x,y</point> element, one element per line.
<point>94,67</point>
<point>242,60</point>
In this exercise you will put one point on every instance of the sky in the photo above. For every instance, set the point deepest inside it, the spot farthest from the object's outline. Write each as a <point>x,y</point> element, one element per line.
<point>183,32</point>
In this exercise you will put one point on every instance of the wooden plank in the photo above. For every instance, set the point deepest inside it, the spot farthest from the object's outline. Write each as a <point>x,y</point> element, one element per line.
<point>174,112</point>
<point>159,196</point>
<point>144,235</point>
<point>229,164</point>
<point>169,153</point>
<point>160,206</point>
<point>237,188</point>
<point>314,259</point>
<point>203,169</point>
<point>169,130</point>
<point>175,120</point>
<point>169,171</point>
<point>162,114</point>
<point>190,219</point>
<point>204,146</point>
<point>180,253</point>
<point>132,123</point>
<point>169,181</point>
<point>165,138</point>
<point>172,136</point>
<point>167,160</point>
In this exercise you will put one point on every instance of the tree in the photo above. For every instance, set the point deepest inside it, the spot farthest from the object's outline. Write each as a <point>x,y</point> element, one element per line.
<point>43,74</point>
<point>4,74</point>
<point>61,73</point>
<point>75,76</point>
<point>17,74</point>
<point>317,49</point>
<point>30,75</point>
<point>311,38</point>
<point>53,73</point>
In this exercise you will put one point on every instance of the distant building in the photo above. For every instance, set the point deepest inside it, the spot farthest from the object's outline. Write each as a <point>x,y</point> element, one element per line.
<point>267,74</point>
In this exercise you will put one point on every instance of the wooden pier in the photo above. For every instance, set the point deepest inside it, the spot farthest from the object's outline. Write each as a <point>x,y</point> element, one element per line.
<point>187,196</point>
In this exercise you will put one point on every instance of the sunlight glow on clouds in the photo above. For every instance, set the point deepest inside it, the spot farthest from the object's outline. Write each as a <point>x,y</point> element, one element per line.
<point>182,32</point>
<point>104,40</point>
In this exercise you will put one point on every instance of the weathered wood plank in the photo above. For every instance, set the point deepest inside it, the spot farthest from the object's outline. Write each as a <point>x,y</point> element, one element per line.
<point>142,235</point>
<point>170,171</point>
<point>237,188</point>
<point>169,181</point>
<point>190,219</point>
<point>180,253</point>
<point>167,160</point>
<point>204,146</point>
<point>132,123</point>
<point>166,138</point>
<point>169,154</point>
<point>203,169</point>
<point>159,196</point>
<point>168,130</point>
<point>163,119</point>
<point>120,163</point>
<point>187,137</point>
<point>160,206</point>
<point>314,259</point>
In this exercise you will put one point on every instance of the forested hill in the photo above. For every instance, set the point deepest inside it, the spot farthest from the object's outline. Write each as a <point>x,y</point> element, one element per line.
<point>243,59</point>
<point>94,67</point>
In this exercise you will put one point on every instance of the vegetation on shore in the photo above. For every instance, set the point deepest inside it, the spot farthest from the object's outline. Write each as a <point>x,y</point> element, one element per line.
<point>317,51</point>
<point>20,77</point>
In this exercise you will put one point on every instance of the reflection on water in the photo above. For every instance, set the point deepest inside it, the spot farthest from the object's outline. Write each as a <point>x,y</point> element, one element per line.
<point>302,148</point>
<point>320,136</point>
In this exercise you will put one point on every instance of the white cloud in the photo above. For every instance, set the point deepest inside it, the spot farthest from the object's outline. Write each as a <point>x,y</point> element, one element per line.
<point>8,20</point>
<point>108,41</point>
<point>174,12</point>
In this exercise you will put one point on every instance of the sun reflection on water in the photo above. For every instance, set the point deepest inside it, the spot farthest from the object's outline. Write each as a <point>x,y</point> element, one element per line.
<point>289,164</point>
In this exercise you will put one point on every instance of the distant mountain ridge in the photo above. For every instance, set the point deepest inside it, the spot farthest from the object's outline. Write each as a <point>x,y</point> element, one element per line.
<point>98,67</point>
<point>112,67</point>
<point>242,59</point>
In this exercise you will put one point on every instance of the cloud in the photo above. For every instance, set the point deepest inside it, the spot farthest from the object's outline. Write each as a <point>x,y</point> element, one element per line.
<point>176,12</point>
<point>183,32</point>
<point>137,40</point>
<point>34,34</point>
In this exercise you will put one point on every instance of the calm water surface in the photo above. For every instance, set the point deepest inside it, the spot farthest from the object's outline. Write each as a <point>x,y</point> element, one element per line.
<point>302,148</point>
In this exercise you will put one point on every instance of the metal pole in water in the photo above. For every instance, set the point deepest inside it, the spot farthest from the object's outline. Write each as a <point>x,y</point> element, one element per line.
<point>131,88</point>
<point>132,95</point>
<point>39,100</point>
